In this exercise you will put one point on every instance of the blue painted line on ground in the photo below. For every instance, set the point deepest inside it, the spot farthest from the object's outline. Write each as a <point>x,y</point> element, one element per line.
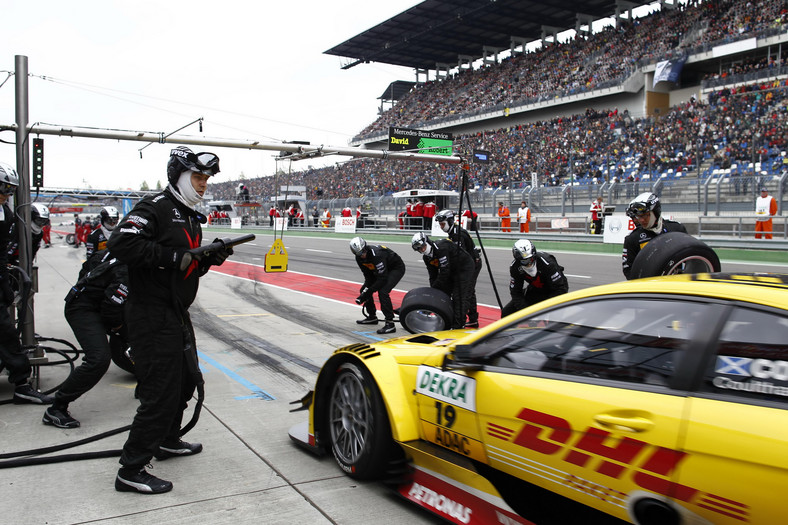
<point>370,335</point>
<point>257,392</point>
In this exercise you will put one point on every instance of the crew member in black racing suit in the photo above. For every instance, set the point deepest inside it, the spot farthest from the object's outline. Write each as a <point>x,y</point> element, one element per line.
<point>155,240</point>
<point>382,269</point>
<point>97,239</point>
<point>39,217</point>
<point>94,310</point>
<point>462,238</point>
<point>533,277</point>
<point>646,212</point>
<point>12,355</point>
<point>450,270</point>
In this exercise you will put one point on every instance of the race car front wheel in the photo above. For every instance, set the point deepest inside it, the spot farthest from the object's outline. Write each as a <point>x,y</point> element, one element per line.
<point>358,425</point>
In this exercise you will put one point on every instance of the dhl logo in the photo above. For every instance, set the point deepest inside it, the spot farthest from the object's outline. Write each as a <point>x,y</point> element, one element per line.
<point>614,457</point>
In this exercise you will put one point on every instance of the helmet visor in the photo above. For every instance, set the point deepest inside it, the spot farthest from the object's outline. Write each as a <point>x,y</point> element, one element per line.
<point>205,162</point>
<point>6,188</point>
<point>637,208</point>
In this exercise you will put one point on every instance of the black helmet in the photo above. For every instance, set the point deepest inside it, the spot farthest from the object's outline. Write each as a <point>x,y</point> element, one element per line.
<point>358,245</point>
<point>109,217</point>
<point>644,203</point>
<point>524,251</point>
<point>9,180</point>
<point>446,216</point>
<point>183,159</point>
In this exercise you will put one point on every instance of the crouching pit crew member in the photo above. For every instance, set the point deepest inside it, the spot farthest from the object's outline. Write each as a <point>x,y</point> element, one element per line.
<point>154,240</point>
<point>533,277</point>
<point>382,269</point>
<point>450,270</point>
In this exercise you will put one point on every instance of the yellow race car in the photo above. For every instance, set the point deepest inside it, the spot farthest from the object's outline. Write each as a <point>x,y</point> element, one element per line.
<point>655,401</point>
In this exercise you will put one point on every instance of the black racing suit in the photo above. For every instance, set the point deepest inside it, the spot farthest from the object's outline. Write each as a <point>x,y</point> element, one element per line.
<point>94,310</point>
<point>635,241</point>
<point>382,269</point>
<point>13,244</point>
<point>462,238</point>
<point>95,242</point>
<point>12,354</point>
<point>525,290</point>
<point>152,240</point>
<point>450,270</point>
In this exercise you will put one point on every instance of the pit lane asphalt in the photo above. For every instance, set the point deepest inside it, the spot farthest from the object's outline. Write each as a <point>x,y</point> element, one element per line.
<point>260,347</point>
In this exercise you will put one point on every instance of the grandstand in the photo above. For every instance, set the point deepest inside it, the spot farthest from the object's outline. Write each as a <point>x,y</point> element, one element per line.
<point>566,120</point>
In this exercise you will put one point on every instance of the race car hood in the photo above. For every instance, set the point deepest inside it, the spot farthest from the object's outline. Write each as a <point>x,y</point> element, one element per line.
<point>415,349</point>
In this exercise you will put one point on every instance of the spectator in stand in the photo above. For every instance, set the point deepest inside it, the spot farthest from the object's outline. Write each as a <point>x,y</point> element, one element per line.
<point>506,221</point>
<point>765,209</point>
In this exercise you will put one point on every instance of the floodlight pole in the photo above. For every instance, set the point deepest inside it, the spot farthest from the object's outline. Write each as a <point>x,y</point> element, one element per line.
<point>22,197</point>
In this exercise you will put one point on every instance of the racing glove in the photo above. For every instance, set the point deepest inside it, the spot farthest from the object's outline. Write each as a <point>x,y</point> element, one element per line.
<point>217,257</point>
<point>364,297</point>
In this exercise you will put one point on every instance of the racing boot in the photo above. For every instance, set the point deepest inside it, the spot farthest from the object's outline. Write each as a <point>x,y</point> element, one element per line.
<point>140,480</point>
<point>25,393</point>
<point>388,328</point>
<point>58,416</point>
<point>372,319</point>
<point>171,449</point>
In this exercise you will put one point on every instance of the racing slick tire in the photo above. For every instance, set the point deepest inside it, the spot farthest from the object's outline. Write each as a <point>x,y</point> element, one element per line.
<point>674,253</point>
<point>70,238</point>
<point>358,424</point>
<point>426,309</point>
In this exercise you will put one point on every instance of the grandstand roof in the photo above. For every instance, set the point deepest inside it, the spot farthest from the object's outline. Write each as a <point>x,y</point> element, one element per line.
<point>437,31</point>
<point>396,90</point>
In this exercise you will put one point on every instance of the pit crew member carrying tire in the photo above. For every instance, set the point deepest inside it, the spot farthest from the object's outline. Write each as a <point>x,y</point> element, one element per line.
<point>450,270</point>
<point>645,211</point>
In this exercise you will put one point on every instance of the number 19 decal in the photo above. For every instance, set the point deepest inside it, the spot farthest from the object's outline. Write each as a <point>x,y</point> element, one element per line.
<point>446,416</point>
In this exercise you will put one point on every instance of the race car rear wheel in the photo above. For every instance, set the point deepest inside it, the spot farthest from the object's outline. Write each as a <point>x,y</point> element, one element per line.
<point>426,309</point>
<point>673,253</point>
<point>358,424</point>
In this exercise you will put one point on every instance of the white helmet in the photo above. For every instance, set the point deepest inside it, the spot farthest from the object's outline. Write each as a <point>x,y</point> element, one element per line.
<point>358,245</point>
<point>9,180</point>
<point>419,241</point>
<point>39,217</point>
<point>109,217</point>
<point>524,251</point>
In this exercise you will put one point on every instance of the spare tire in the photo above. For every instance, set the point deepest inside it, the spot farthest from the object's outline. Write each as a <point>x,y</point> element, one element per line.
<point>426,310</point>
<point>672,253</point>
<point>70,238</point>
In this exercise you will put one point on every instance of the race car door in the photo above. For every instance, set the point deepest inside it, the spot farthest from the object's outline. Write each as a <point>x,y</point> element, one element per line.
<point>582,400</point>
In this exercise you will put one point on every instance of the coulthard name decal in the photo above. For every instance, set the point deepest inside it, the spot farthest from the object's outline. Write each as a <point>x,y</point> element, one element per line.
<point>747,369</point>
<point>452,388</point>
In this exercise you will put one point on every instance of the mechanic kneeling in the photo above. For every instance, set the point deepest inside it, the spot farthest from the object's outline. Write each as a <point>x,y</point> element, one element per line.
<point>534,277</point>
<point>382,268</point>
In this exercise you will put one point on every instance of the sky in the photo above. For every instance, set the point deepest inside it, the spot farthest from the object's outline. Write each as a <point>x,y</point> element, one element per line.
<point>252,70</point>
